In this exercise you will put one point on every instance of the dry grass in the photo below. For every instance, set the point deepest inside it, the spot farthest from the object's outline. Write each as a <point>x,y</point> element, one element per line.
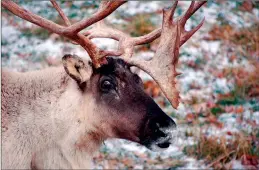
<point>246,83</point>
<point>218,151</point>
<point>247,38</point>
<point>140,24</point>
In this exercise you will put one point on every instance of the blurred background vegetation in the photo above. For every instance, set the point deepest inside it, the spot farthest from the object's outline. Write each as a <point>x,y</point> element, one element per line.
<point>218,118</point>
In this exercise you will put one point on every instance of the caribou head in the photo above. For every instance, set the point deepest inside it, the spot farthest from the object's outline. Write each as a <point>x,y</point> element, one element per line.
<point>123,109</point>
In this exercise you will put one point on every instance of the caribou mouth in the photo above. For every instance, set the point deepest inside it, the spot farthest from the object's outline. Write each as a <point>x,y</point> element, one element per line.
<point>164,145</point>
<point>157,147</point>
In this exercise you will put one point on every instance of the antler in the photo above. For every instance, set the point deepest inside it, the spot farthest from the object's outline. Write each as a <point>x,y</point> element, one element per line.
<point>163,65</point>
<point>69,31</point>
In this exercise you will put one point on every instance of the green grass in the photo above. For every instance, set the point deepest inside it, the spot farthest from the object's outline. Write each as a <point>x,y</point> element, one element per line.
<point>217,110</point>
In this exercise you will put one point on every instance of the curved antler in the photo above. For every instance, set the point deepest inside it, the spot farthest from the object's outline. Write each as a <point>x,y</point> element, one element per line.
<point>69,31</point>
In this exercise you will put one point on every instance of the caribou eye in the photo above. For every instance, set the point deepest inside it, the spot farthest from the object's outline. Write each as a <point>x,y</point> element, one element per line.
<point>107,85</point>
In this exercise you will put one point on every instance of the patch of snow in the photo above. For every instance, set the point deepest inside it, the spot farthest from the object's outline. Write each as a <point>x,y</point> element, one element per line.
<point>133,147</point>
<point>138,166</point>
<point>255,116</point>
<point>191,164</point>
<point>236,164</point>
<point>105,43</point>
<point>145,55</point>
<point>211,14</point>
<point>221,84</point>
<point>9,33</point>
<point>144,76</point>
<point>211,46</point>
<point>138,7</point>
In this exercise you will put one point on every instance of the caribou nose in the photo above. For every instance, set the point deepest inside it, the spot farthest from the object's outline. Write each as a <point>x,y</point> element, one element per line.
<point>160,130</point>
<point>164,131</point>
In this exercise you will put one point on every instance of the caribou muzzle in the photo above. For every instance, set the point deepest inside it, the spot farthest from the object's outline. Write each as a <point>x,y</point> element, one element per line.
<point>159,130</point>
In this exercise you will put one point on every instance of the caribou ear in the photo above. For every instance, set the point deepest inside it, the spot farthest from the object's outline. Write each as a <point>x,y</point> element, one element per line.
<point>77,69</point>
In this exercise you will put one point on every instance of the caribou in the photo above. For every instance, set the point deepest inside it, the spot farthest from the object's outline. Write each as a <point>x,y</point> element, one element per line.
<point>56,118</point>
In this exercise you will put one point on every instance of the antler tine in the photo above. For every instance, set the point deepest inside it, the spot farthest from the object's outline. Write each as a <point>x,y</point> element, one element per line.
<point>187,34</point>
<point>169,14</point>
<point>148,38</point>
<point>187,14</point>
<point>191,10</point>
<point>197,6</point>
<point>101,30</point>
<point>61,13</point>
